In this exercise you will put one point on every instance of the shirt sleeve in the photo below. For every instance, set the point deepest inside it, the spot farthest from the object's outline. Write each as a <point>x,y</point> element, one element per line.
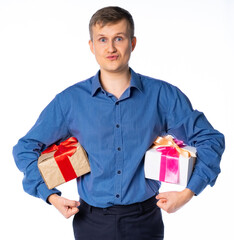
<point>194,129</point>
<point>49,128</point>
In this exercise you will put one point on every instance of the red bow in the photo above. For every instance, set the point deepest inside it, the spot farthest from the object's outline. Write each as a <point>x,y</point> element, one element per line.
<point>62,152</point>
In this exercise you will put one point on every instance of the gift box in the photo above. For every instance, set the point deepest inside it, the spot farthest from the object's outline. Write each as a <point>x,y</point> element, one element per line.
<point>170,160</point>
<point>61,163</point>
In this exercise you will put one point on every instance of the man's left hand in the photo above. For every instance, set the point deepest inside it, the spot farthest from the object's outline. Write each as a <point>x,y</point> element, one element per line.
<point>172,201</point>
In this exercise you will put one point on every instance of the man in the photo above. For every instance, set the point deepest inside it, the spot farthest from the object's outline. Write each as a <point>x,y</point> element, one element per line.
<point>116,115</point>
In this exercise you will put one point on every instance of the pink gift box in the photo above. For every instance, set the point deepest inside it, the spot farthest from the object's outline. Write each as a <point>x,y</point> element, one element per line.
<point>170,161</point>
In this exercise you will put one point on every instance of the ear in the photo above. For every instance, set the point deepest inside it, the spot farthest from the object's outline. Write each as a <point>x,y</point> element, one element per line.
<point>133,42</point>
<point>91,46</point>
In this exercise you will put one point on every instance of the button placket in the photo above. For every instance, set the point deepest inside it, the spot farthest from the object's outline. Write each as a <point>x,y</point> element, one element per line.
<point>119,154</point>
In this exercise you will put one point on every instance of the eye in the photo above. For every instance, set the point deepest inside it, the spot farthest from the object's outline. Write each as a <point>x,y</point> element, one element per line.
<point>102,40</point>
<point>118,39</point>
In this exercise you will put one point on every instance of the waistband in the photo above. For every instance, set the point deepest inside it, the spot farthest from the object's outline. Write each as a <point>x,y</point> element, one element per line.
<point>121,209</point>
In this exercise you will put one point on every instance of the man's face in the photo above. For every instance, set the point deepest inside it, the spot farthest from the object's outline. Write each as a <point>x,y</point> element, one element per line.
<point>112,46</point>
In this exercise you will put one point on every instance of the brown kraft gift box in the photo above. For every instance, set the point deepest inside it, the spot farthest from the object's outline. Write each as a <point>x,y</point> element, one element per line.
<point>61,163</point>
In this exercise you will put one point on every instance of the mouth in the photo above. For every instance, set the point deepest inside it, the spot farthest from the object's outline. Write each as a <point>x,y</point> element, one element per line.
<point>112,57</point>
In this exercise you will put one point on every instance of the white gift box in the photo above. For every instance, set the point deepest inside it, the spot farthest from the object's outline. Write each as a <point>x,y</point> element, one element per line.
<point>153,163</point>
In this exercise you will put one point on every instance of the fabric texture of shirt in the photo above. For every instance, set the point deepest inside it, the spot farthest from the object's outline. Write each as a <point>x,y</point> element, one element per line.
<point>116,133</point>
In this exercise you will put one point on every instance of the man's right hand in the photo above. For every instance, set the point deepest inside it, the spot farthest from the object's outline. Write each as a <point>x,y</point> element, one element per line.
<point>65,206</point>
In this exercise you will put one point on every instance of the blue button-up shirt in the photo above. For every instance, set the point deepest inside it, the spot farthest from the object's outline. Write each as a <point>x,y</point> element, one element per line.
<point>116,133</point>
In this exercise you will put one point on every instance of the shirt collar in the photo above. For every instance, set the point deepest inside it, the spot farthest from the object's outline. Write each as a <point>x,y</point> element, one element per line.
<point>96,83</point>
<point>135,82</point>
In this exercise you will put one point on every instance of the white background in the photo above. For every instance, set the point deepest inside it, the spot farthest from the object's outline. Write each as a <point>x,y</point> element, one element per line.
<point>44,49</point>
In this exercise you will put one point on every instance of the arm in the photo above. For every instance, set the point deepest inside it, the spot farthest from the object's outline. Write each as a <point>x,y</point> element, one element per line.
<point>49,128</point>
<point>193,128</point>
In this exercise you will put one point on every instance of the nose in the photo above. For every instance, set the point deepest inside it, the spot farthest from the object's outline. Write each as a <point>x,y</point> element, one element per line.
<point>111,47</point>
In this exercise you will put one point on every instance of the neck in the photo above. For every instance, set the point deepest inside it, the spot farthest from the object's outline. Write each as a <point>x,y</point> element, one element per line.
<point>115,83</point>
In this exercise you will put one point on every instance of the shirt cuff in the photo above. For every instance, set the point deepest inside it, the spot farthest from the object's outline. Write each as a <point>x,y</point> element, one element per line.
<point>196,184</point>
<point>44,192</point>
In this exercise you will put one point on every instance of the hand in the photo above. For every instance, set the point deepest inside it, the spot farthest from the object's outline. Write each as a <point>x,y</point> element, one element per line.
<point>65,206</point>
<point>172,201</point>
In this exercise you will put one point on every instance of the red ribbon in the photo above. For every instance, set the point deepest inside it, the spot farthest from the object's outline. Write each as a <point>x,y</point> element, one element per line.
<point>63,151</point>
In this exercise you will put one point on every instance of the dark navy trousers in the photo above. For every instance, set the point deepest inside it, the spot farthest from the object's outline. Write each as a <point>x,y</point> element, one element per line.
<point>139,221</point>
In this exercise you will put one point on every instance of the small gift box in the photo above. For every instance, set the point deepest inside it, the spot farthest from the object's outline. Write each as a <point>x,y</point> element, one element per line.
<point>61,163</point>
<point>169,160</point>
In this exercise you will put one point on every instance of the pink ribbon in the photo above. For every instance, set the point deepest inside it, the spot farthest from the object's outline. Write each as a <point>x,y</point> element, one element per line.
<point>169,166</point>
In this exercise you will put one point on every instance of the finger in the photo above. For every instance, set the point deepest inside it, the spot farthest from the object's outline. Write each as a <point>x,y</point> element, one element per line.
<point>162,204</point>
<point>162,201</point>
<point>71,203</point>
<point>77,203</point>
<point>161,196</point>
<point>73,211</point>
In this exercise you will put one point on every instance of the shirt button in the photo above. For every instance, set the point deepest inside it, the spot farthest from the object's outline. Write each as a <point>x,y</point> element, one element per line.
<point>119,149</point>
<point>117,103</point>
<point>117,125</point>
<point>117,195</point>
<point>119,172</point>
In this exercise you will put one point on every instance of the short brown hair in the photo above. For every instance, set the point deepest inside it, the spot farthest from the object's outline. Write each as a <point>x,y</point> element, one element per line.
<point>111,15</point>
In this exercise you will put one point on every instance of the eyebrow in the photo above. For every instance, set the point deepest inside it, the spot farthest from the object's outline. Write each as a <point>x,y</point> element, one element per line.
<point>120,33</point>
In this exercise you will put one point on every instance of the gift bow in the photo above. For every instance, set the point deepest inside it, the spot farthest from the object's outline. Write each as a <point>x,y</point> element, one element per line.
<point>62,151</point>
<point>168,141</point>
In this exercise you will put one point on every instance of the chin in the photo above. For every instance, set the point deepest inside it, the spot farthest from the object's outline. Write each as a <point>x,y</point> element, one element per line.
<point>115,69</point>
